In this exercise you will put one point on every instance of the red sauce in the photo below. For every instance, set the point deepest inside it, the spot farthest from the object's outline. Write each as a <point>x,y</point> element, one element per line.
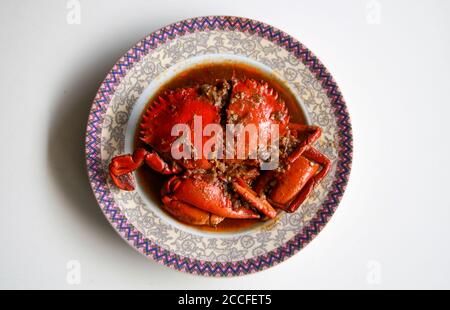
<point>151,182</point>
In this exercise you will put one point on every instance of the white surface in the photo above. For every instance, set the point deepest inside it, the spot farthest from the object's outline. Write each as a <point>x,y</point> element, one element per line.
<point>395,78</point>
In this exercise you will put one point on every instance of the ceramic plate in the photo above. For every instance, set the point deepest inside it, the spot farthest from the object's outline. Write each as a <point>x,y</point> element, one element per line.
<point>138,74</point>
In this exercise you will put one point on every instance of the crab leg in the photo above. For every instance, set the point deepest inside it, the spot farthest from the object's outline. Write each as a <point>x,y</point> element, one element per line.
<point>198,192</point>
<point>261,204</point>
<point>122,165</point>
<point>300,179</point>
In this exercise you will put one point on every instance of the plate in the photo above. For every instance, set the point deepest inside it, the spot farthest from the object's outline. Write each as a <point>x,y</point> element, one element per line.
<point>126,89</point>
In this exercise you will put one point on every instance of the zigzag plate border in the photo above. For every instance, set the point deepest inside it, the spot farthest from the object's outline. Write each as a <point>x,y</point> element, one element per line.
<point>97,175</point>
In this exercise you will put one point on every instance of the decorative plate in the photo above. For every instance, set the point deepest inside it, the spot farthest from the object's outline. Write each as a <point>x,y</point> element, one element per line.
<point>129,85</point>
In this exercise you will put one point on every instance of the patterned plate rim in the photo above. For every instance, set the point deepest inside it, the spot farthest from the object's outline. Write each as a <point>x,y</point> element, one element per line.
<point>98,177</point>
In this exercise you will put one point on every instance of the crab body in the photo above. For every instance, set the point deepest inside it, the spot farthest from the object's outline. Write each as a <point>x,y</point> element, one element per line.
<point>177,107</point>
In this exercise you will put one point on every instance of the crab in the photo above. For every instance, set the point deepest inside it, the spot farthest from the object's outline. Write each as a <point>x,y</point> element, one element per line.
<point>175,107</point>
<point>207,191</point>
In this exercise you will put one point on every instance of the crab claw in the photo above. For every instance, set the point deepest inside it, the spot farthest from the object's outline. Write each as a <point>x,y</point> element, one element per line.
<point>292,187</point>
<point>200,192</point>
<point>306,168</point>
<point>293,180</point>
<point>310,177</point>
<point>121,166</point>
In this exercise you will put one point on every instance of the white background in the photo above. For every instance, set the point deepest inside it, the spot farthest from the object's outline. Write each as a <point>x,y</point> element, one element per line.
<point>392,229</point>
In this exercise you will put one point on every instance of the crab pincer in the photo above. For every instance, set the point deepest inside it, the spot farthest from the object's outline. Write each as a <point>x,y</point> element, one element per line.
<point>303,169</point>
<point>121,166</point>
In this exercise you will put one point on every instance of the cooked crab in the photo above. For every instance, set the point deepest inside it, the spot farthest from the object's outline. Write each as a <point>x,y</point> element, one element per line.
<point>205,191</point>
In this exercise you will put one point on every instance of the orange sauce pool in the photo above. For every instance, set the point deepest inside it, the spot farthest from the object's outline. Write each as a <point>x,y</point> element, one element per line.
<point>151,182</point>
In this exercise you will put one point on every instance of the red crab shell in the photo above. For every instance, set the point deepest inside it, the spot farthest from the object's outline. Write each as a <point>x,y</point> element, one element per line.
<point>176,107</point>
<point>256,103</point>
